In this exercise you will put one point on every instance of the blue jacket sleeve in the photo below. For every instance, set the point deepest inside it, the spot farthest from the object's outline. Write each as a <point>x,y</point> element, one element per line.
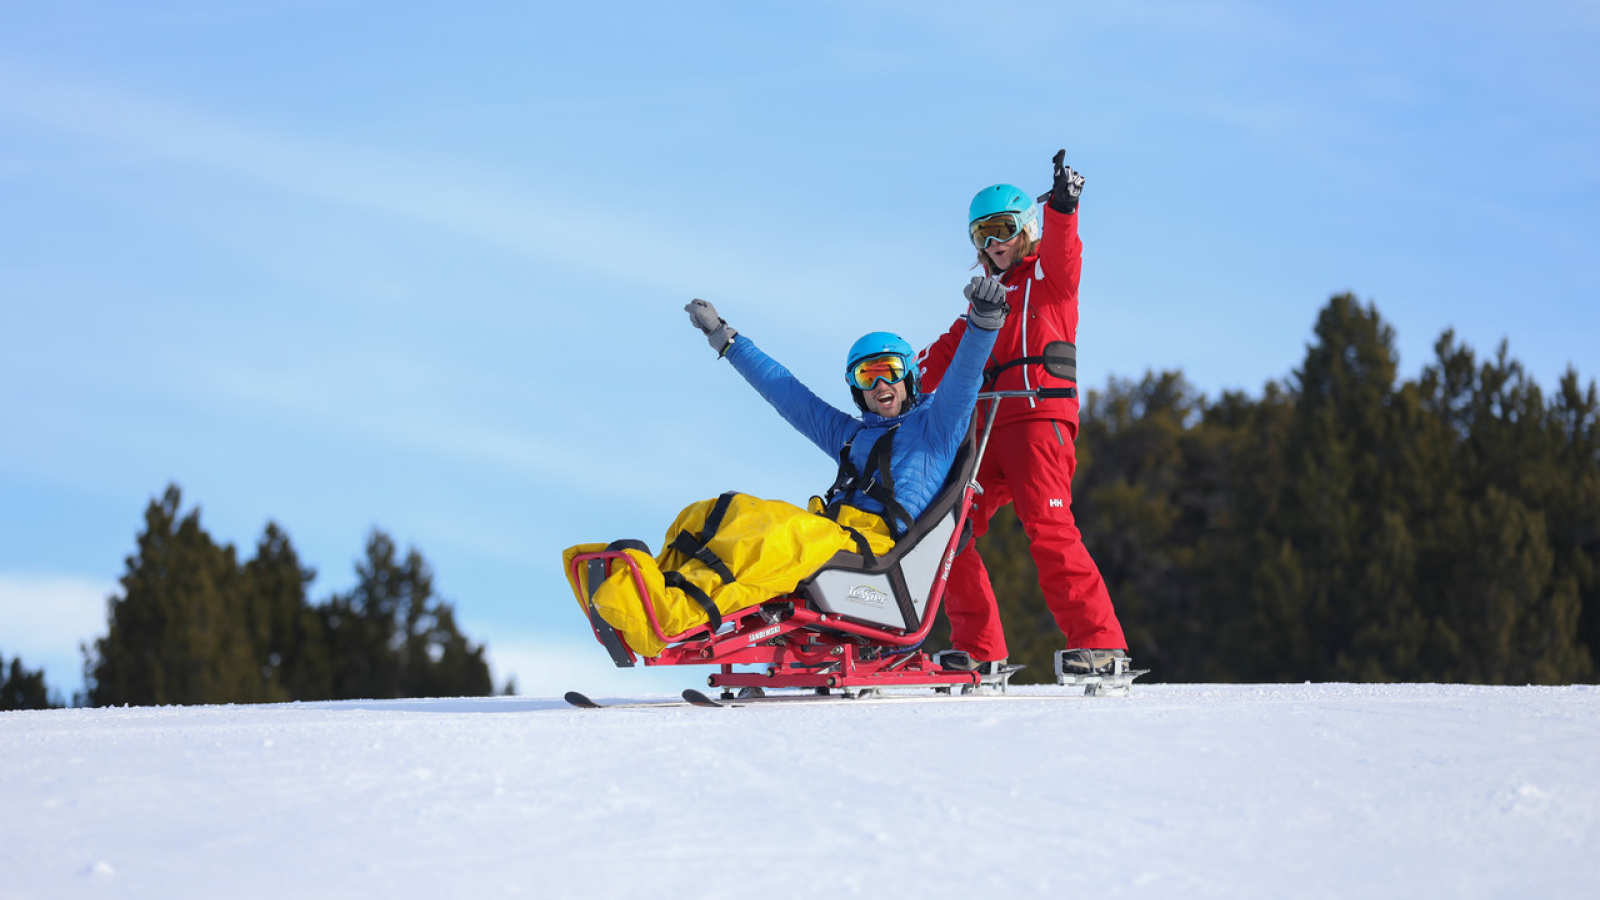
<point>950,409</point>
<point>821,423</point>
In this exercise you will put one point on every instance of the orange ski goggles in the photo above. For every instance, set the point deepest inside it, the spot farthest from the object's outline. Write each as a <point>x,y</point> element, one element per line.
<point>891,368</point>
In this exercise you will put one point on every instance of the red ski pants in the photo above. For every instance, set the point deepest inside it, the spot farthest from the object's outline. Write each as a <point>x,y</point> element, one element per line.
<point>1030,463</point>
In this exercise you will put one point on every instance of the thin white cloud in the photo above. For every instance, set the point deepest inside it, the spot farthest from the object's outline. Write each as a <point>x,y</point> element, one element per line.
<point>152,131</point>
<point>529,219</point>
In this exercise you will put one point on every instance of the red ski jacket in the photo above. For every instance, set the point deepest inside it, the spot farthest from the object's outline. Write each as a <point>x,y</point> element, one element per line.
<point>1042,291</point>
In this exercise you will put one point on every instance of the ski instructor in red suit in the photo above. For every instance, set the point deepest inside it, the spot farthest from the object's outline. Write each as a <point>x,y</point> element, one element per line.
<point>1030,458</point>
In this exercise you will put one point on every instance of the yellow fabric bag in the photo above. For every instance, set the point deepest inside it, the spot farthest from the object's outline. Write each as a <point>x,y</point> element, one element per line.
<point>768,546</point>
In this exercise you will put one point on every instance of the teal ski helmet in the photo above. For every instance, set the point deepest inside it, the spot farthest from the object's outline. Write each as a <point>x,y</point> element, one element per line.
<point>1005,198</point>
<point>882,343</point>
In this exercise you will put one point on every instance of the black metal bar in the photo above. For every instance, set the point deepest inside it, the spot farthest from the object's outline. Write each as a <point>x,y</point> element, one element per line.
<point>608,636</point>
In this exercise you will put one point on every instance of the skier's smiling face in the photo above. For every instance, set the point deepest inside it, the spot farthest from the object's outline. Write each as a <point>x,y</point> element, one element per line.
<point>1005,255</point>
<point>885,399</point>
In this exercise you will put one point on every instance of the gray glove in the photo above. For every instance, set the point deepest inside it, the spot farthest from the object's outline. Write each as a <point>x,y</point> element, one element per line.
<point>704,317</point>
<point>988,299</point>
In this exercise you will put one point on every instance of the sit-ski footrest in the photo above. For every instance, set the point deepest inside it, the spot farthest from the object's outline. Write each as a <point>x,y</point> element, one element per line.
<point>1115,682</point>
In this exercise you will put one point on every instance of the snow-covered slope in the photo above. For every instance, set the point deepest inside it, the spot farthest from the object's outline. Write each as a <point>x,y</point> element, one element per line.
<point>1271,791</point>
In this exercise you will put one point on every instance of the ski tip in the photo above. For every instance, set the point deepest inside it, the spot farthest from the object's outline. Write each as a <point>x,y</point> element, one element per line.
<point>580,701</point>
<point>700,698</point>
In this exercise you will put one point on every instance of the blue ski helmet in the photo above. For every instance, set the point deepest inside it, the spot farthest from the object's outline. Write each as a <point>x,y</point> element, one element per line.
<point>879,343</point>
<point>1001,198</point>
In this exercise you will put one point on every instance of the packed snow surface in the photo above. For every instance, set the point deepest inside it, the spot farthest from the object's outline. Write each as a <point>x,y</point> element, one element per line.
<point>1182,791</point>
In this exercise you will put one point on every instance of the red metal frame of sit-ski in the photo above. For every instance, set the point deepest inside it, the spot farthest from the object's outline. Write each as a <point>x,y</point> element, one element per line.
<point>800,646</point>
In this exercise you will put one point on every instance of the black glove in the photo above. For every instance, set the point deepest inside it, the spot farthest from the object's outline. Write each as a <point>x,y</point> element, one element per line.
<point>1069,184</point>
<point>988,299</point>
<point>704,317</point>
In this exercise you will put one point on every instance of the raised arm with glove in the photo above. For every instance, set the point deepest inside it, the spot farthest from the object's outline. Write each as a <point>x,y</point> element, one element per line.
<point>719,334</point>
<point>1063,196</point>
<point>988,298</point>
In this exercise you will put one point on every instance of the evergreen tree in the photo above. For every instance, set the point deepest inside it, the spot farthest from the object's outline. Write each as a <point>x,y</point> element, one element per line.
<point>1248,621</point>
<point>1505,604</point>
<point>286,633</point>
<point>193,626</point>
<point>176,633</point>
<point>1574,432</point>
<point>392,637</point>
<point>1343,444</point>
<point>22,688</point>
<point>1138,495</point>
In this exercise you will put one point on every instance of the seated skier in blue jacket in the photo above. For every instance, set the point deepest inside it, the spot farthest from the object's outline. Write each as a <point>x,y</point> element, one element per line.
<point>735,551</point>
<point>919,434</point>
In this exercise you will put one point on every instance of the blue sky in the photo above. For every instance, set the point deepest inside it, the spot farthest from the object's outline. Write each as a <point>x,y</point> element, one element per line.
<point>345,264</point>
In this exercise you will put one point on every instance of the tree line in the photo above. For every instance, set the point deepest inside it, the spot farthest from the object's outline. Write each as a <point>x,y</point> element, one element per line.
<point>1342,526</point>
<point>192,624</point>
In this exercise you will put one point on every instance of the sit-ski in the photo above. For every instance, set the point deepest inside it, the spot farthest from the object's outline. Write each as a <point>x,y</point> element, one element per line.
<point>851,628</point>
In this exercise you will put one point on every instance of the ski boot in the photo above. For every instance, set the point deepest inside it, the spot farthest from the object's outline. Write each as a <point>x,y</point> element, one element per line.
<point>1101,672</point>
<point>993,675</point>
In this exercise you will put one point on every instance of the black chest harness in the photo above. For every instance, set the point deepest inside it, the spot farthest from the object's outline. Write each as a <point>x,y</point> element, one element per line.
<point>1060,359</point>
<point>877,482</point>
